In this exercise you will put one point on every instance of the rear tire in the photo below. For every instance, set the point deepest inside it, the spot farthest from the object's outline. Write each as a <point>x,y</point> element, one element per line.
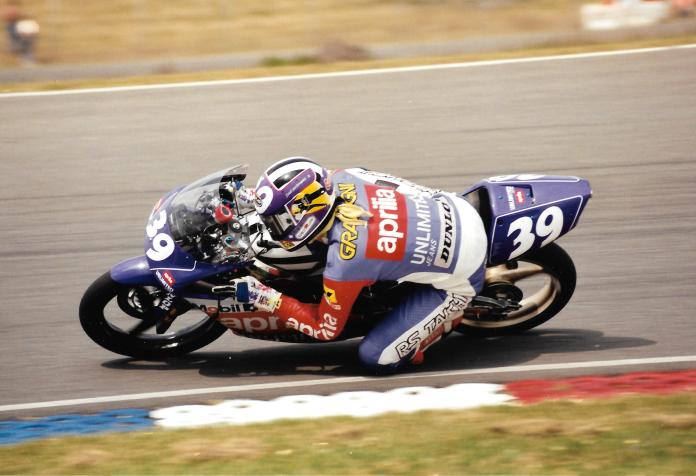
<point>144,346</point>
<point>551,261</point>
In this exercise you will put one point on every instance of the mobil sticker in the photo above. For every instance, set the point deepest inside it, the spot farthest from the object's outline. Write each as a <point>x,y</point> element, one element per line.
<point>386,230</point>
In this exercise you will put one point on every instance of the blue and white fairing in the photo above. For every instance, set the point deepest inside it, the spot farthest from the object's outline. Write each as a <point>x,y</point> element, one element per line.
<point>522,213</point>
<point>198,231</point>
<point>186,241</point>
<point>193,232</point>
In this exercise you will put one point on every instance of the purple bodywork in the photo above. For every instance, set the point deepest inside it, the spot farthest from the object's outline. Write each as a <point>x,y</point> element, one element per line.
<point>520,212</point>
<point>181,268</point>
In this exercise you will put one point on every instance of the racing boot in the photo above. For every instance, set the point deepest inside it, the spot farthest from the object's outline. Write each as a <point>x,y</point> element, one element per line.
<point>442,331</point>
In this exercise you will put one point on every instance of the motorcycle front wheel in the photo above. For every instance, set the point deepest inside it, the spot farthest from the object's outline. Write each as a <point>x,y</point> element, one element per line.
<point>108,311</point>
<point>541,282</point>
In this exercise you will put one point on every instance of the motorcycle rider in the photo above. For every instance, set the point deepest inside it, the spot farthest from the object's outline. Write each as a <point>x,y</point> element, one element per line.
<point>377,228</point>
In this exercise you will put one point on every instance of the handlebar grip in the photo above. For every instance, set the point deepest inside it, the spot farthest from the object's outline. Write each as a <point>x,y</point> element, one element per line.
<point>242,292</point>
<point>226,290</point>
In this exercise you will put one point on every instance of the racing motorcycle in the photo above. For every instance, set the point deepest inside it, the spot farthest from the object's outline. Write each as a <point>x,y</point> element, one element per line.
<point>177,298</point>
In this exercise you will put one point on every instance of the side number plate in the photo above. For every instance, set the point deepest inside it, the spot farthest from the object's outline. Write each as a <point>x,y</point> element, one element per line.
<point>519,232</point>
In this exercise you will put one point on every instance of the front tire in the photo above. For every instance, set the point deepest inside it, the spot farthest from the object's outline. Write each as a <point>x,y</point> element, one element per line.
<point>105,292</point>
<point>552,267</point>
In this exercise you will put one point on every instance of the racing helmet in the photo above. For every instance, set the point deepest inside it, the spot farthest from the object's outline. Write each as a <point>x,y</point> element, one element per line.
<point>295,200</point>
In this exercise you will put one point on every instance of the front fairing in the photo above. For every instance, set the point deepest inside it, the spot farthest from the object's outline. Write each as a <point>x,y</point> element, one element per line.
<point>169,245</point>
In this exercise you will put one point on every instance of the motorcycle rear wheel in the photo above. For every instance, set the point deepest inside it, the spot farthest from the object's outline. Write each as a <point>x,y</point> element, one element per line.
<point>102,330</point>
<point>555,276</point>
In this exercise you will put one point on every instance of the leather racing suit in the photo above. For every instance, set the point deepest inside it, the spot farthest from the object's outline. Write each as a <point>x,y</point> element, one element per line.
<point>412,234</point>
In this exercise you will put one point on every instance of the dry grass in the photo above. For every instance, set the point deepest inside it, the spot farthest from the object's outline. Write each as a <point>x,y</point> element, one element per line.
<point>193,450</point>
<point>76,31</point>
<point>622,436</point>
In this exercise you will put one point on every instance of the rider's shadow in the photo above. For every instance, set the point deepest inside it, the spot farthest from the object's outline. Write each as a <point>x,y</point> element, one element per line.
<point>480,353</point>
<point>456,352</point>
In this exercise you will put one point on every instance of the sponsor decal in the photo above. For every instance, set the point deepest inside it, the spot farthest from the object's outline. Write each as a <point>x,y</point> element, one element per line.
<point>430,330</point>
<point>349,235</point>
<point>347,192</point>
<point>448,234</point>
<point>326,331</point>
<point>166,280</point>
<point>386,238</point>
<point>330,296</point>
<point>264,197</point>
<point>405,347</point>
<point>167,302</point>
<point>242,317</point>
<point>510,191</point>
<point>306,227</point>
<point>251,324</point>
<point>456,304</point>
<point>432,338</point>
<point>519,195</point>
<point>237,308</point>
<point>515,196</point>
<point>424,244</point>
<point>286,244</point>
<point>329,325</point>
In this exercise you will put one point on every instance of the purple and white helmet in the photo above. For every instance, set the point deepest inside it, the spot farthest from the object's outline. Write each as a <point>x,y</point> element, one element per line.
<point>295,200</point>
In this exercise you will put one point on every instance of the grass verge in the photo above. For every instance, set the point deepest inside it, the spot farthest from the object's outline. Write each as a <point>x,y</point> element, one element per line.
<point>627,435</point>
<point>299,69</point>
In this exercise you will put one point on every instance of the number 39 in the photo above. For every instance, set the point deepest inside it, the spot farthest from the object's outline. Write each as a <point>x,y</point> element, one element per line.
<point>162,243</point>
<point>549,231</point>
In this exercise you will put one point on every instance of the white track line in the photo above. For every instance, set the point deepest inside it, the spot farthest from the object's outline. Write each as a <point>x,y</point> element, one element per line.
<point>334,381</point>
<point>343,74</point>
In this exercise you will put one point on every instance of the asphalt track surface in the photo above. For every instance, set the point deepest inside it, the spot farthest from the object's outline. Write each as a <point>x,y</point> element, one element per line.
<point>80,173</point>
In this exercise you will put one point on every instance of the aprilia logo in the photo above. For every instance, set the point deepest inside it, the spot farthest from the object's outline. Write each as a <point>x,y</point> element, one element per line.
<point>254,324</point>
<point>386,237</point>
<point>243,317</point>
<point>326,330</point>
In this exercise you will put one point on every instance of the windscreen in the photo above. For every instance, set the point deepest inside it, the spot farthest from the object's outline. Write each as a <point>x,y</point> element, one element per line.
<point>206,221</point>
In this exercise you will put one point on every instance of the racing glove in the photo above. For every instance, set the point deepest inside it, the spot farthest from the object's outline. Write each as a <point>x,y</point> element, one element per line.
<point>251,290</point>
